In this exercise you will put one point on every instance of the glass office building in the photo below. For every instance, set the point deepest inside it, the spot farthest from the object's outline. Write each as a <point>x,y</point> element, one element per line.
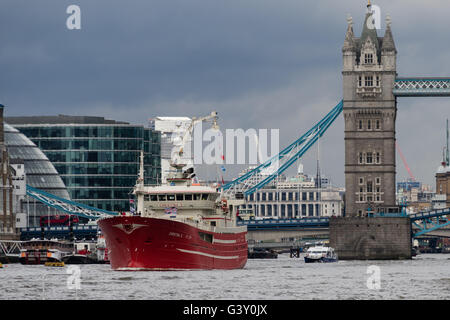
<point>39,172</point>
<point>97,159</point>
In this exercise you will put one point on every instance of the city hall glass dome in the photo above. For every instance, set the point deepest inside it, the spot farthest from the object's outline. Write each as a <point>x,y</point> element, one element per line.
<point>40,172</point>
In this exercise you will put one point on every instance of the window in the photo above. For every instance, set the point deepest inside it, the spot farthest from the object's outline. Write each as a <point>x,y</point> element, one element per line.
<point>378,158</point>
<point>361,158</point>
<point>361,180</point>
<point>377,124</point>
<point>369,186</point>
<point>360,81</point>
<point>188,197</point>
<point>170,197</point>
<point>369,158</point>
<point>368,58</point>
<point>162,197</point>
<point>369,125</point>
<point>378,180</point>
<point>360,125</point>
<point>378,81</point>
<point>368,81</point>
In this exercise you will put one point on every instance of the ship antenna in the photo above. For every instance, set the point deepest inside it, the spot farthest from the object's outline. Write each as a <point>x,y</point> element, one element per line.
<point>141,169</point>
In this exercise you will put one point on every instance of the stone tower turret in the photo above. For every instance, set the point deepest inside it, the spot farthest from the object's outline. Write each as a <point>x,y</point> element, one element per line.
<point>369,72</point>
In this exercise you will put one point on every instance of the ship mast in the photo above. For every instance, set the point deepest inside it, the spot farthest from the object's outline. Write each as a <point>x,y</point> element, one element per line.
<point>140,185</point>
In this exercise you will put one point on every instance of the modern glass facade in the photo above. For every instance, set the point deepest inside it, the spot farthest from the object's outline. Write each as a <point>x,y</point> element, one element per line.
<point>97,159</point>
<point>39,171</point>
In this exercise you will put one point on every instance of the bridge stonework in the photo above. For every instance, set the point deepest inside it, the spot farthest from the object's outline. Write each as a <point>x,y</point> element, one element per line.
<point>371,238</point>
<point>370,110</point>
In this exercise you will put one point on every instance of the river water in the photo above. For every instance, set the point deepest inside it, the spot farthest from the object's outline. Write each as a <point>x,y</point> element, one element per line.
<point>427,276</point>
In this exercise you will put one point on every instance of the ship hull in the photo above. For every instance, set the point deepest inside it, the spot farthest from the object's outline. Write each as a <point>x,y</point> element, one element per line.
<point>142,243</point>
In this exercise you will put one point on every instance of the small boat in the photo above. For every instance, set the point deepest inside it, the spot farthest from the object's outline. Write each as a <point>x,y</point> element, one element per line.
<point>257,253</point>
<point>320,254</point>
<point>101,249</point>
<point>84,253</point>
<point>42,251</point>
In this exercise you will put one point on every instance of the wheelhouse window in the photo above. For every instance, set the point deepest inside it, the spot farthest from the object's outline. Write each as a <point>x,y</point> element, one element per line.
<point>179,197</point>
<point>170,197</point>
<point>162,197</point>
<point>188,197</point>
<point>204,196</point>
<point>153,197</point>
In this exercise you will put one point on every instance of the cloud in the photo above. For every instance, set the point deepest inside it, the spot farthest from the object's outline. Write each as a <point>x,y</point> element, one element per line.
<point>259,63</point>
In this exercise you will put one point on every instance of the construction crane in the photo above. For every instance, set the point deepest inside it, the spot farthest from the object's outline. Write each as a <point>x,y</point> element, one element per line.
<point>404,162</point>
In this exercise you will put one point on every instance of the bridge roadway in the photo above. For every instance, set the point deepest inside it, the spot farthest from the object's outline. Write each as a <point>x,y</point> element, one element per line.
<point>432,223</point>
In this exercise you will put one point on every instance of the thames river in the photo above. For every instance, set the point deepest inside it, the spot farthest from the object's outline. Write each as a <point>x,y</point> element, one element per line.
<point>427,276</point>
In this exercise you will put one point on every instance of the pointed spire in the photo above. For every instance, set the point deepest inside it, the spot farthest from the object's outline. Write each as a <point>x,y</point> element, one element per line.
<point>369,30</point>
<point>349,43</point>
<point>388,40</point>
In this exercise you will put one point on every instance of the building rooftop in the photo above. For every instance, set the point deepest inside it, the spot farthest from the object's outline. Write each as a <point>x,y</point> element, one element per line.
<point>61,119</point>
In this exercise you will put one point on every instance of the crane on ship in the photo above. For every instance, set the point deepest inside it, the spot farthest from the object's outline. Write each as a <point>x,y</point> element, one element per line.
<point>180,142</point>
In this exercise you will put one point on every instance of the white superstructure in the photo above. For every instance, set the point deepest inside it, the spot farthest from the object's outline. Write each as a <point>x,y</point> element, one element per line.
<point>172,130</point>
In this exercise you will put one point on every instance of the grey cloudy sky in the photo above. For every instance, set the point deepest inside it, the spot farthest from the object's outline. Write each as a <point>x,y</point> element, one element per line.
<point>259,63</point>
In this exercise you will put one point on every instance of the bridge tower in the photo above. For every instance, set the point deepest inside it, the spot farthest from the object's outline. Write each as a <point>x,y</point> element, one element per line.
<point>368,232</point>
<point>369,72</point>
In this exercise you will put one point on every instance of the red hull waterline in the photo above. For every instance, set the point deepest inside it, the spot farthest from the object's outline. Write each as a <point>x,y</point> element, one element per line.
<point>144,243</point>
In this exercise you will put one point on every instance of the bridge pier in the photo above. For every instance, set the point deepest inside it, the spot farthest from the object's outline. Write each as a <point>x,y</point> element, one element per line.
<point>378,238</point>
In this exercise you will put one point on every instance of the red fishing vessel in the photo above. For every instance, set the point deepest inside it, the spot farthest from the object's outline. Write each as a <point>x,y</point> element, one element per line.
<point>178,225</point>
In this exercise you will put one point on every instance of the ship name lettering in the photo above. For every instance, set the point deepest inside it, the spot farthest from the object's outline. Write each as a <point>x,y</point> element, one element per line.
<point>175,234</point>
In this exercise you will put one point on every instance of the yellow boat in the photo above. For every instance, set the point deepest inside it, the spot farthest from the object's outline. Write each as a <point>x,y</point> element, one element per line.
<point>54,264</point>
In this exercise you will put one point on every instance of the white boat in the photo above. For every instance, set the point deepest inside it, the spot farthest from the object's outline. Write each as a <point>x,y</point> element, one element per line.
<point>320,254</point>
